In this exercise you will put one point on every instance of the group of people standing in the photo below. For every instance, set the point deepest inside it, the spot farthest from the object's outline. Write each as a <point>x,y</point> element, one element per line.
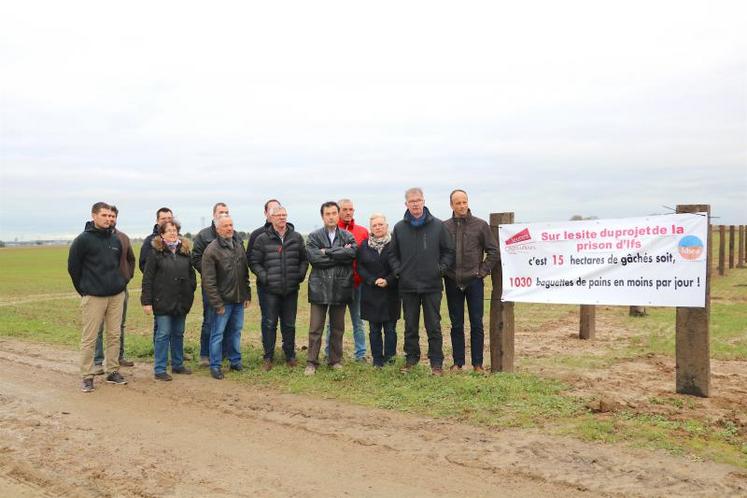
<point>373,273</point>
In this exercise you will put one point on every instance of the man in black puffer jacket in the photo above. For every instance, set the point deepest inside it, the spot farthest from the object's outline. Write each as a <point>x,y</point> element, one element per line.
<point>331,252</point>
<point>94,267</point>
<point>422,251</point>
<point>278,259</point>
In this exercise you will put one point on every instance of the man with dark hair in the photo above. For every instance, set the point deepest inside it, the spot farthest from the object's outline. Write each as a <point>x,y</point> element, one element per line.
<point>347,222</point>
<point>476,255</point>
<point>225,281</point>
<point>421,253</point>
<point>200,243</point>
<point>278,260</point>
<point>269,206</point>
<point>127,267</point>
<point>331,252</point>
<point>94,267</point>
<point>162,216</point>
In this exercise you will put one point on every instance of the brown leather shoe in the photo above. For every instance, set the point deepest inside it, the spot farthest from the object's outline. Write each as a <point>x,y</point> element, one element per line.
<point>292,363</point>
<point>456,368</point>
<point>126,363</point>
<point>407,368</point>
<point>478,369</point>
<point>437,371</point>
<point>267,365</point>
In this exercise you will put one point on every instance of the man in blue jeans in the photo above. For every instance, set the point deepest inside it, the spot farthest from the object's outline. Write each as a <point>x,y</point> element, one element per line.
<point>360,233</point>
<point>202,240</point>
<point>476,255</point>
<point>225,281</point>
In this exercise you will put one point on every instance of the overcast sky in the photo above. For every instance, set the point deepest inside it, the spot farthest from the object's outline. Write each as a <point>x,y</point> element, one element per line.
<point>547,109</point>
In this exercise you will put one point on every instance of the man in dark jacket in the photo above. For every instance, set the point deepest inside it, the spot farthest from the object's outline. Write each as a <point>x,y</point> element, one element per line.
<point>269,205</point>
<point>278,259</point>
<point>94,267</point>
<point>127,267</point>
<point>225,281</point>
<point>201,241</point>
<point>476,255</point>
<point>421,253</point>
<point>162,216</point>
<point>331,253</point>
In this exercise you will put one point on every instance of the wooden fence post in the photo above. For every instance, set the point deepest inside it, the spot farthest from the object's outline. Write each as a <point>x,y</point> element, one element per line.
<point>587,328</point>
<point>731,246</point>
<point>637,311</point>
<point>741,246</point>
<point>692,344</point>
<point>501,314</point>
<point>721,250</point>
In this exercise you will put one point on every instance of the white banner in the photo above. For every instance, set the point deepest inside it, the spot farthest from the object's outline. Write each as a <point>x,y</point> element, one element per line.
<point>656,261</point>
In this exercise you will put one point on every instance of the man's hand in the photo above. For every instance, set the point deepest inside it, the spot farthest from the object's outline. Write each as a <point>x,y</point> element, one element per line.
<point>346,246</point>
<point>380,282</point>
<point>247,303</point>
<point>221,310</point>
<point>322,251</point>
<point>148,309</point>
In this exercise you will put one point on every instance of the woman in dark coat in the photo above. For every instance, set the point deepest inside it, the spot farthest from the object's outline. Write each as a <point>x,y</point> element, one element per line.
<point>379,296</point>
<point>169,285</point>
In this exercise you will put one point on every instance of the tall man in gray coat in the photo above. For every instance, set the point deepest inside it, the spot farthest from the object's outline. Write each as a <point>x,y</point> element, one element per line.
<point>331,252</point>
<point>476,255</point>
<point>422,251</point>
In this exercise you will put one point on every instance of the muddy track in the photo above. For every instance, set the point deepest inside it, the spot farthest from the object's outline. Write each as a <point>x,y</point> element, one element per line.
<point>199,437</point>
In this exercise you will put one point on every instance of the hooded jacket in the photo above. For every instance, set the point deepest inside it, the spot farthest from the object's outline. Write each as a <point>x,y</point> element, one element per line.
<point>360,233</point>
<point>225,273</point>
<point>279,264</point>
<point>421,254</point>
<point>475,246</point>
<point>93,262</point>
<point>331,277</point>
<point>169,281</point>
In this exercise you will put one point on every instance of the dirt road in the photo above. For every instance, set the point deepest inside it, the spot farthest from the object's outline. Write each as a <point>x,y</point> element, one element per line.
<point>199,437</point>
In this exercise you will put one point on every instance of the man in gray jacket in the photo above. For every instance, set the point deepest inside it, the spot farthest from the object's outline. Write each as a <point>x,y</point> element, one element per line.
<point>476,255</point>
<point>225,281</point>
<point>331,252</point>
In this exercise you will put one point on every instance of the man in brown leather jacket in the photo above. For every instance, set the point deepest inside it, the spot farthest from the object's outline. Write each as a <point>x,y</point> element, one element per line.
<point>225,280</point>
<point>476,254</point>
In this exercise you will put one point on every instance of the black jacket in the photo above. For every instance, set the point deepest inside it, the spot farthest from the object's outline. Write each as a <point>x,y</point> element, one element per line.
<point>476,250</point>
<point>253,238</point>
<point>169,281</point>
<point>147,248</point>
<point>225,274</point>
<point>378,304</point>
<point>421,254</point>
<point>331,277</point>
<point>202,240</point>
<point>280,265</point>
<point>93,263</point>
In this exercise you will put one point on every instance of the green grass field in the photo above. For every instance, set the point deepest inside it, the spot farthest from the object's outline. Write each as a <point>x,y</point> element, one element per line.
<point>38,303</point>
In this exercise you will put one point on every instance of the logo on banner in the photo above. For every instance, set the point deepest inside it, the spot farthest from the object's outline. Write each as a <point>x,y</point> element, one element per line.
<point>522,236</point>
<point>690,247</point>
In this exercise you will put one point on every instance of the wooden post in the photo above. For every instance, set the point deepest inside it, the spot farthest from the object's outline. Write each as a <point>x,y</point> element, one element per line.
<point>721,250</point>
<point>501,314</point>
<point>637,311</point>
<point>741,246</point>
<point>587,326</point>
<point>692,341</point>
<point>731,246</point>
